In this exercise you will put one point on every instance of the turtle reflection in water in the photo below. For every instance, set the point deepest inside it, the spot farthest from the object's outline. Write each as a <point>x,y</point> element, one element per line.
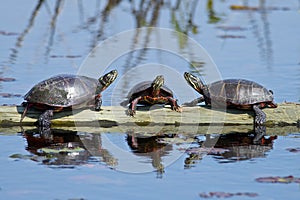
<point>66,91</point>
<point>66,149</point>
<point>60,148</point>
<point>151,148</point>
<point>233,93</point>
<point>230,147</point>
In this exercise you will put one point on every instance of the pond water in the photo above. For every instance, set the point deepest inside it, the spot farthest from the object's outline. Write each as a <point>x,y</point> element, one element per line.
<point>255,40</point>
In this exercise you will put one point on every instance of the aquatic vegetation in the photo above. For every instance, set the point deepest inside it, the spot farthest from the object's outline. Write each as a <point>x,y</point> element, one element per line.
<point>278,179</point>
<point>226,194</point>
<point>6,79</point>
<point>9,95</point>
<point>6,33</point>
<point>294,150</point>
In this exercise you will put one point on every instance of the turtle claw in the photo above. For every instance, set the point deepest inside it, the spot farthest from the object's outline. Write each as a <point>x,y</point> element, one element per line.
<point>174,105</point>
<point>98,103</point>
<point>194,102</point>
<point>177,108</point>
<point>189,104</point>
<point>131,112</point>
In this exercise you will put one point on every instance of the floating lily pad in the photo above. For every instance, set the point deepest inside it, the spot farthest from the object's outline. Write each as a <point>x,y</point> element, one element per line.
<point>294,150</point>
<point>227,194</point>
<point>231,28</point>
<point>231,36</point>
<point>73,56</point>
<point>66,56</point>
<point>176,140</point>
<point>20,156</point>
<point>8,33</point>
<point>278,179</point>
<point>48,150</point>
<point>9,95</point>
<point>254,8</point>
<point>206,150</point>
<point>7,79</point>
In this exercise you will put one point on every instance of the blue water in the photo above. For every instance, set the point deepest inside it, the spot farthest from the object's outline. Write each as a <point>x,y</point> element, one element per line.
<point>26,179</point>
<point>261,45</point>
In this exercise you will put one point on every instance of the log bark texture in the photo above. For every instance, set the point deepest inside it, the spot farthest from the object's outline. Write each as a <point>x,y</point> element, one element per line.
<point>287,114</point>
<point>192,121</point>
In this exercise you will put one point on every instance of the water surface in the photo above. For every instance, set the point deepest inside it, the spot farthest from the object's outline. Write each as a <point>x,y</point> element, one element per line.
<point>40,39</point>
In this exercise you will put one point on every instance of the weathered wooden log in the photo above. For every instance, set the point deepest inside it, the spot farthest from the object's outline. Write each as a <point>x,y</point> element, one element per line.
<point>287,114</point>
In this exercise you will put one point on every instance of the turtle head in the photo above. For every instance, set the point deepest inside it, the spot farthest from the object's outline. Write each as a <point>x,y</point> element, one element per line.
<point>108,78</point>
<point>158,83</point>
<point>195,82</point>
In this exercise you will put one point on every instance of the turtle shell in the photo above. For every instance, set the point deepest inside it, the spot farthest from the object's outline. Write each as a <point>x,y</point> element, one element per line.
<point>64,91</point>
<point>145,88</point>
<point>239,93</point>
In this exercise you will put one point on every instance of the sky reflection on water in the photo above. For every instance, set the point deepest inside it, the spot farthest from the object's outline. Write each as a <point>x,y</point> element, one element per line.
<point>44,38</point>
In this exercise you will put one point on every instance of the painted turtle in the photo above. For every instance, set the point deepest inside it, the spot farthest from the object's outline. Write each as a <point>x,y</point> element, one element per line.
<point>66,91</point>
<point>150,93</point>
<point>234,93</point>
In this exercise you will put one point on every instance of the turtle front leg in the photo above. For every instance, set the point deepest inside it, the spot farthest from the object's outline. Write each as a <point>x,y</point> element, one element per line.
<point>174,105</point>
<point>98,102</point>
<point>132,106</point>
<point>44,120</point>
<point>194,102</point>
<point>260,116</point>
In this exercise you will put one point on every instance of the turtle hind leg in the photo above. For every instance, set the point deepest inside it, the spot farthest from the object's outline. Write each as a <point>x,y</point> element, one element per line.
<point>98,102</point>
<point>44,120</point>
<point>27,107</point>
<point>194,102</point>
<point>24,112</point>
<point>260,116</point>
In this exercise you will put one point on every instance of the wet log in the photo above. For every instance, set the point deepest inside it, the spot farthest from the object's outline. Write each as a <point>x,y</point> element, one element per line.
<point>287,114</point>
